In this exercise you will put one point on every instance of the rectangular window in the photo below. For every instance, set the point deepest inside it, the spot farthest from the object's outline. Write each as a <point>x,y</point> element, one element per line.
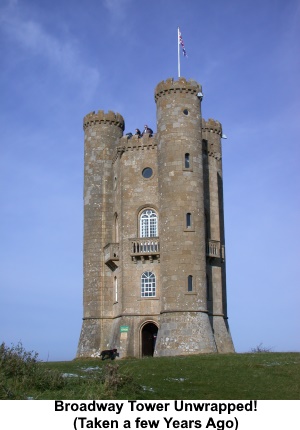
<point>148,284</point>
<point>116,289</point>
<point>187,161</point>
<point>188,220</point>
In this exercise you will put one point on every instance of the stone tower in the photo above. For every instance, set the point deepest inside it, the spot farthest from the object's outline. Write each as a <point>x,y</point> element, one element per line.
<point>154,249</point>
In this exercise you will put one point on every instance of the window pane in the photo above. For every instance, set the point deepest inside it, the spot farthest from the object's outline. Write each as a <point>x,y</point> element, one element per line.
<point>116,288</point>
<point>187,161</point>
<point>148,284</point>
<point>188,219</point>
<point>148,223</point>
<point>190,283</point>
<point>147,172</point>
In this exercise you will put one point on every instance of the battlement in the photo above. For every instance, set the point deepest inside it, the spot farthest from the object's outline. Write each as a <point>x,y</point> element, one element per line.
<point>212,126</point>
<point>135,143</point>
<point>93,118</point>
<point>212,147</point>
<point>180,86</point>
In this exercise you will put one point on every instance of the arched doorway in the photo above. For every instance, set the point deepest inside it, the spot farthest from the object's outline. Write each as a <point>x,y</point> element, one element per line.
<point>149,334</point>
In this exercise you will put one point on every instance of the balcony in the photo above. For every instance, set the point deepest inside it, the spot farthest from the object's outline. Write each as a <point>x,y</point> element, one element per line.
<point>111,255</point>
<point>145,248</point>
<point>214,249</point>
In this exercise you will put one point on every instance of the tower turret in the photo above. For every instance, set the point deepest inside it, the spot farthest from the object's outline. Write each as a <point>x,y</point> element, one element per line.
<point>102,133</point>
<point>184,322</point>
<point>215,236</point>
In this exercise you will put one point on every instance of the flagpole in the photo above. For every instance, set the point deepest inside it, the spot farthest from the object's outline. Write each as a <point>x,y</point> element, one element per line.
<point>178,53</point>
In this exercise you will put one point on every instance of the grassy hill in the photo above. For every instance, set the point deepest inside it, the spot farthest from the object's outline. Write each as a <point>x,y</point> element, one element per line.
<point>267,375</point>
<point>235,376</point>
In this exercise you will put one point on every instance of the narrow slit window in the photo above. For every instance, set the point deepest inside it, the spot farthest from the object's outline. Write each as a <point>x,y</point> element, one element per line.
<point>116,232</point>
<point>116,288</point>
<point>190,283</point>
<point>188,220</point>
<point>187,161</point>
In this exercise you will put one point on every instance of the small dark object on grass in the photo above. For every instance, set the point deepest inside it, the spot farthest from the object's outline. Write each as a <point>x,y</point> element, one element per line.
<point>109,353</point>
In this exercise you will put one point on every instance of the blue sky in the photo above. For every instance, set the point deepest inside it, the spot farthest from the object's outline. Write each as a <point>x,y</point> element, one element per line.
<point>62,59</point>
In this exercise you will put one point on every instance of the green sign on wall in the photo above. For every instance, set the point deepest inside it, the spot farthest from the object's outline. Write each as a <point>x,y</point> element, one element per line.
<point>124,329</point>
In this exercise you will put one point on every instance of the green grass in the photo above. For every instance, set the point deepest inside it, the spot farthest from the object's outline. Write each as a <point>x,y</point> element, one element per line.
<point>260,375</point>
<point>214,376</point>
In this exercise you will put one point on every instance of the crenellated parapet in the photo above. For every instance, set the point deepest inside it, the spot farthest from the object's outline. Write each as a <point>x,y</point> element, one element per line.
<point>181,86</point>
<point>212,126</point>
<point>211,133</point>
<point>101,117</point>
<point>135,143</point>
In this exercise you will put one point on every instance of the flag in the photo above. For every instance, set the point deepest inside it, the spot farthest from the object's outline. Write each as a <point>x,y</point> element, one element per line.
<point>180,42</point>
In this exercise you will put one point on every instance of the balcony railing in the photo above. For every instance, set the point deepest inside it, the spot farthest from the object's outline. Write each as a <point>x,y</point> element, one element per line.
<point>145,248</point>
<point>111,255</point>
<point>214,249</point>
<point>149,248</point>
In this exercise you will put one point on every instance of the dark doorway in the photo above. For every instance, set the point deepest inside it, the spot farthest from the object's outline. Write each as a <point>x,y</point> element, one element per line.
<point>149,334</point>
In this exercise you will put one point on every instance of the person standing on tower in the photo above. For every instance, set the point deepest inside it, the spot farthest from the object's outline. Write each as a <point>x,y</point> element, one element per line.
<point>147,130</point>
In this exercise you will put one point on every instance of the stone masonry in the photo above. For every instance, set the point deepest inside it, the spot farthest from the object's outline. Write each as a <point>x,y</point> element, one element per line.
<point>154,246</point>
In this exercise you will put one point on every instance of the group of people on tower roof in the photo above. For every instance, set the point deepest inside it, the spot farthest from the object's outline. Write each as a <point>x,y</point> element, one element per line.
<point>147,130</point>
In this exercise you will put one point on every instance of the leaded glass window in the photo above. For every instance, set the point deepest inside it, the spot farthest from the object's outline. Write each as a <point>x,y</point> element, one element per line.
<point>148,223</point>
<point>148,284</point>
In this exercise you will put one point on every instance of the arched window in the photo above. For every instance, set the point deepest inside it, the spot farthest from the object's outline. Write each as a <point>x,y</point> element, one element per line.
<point>148,223</point>
<point>190,283</point>
<point>187,161</point>
<point>148,284</point>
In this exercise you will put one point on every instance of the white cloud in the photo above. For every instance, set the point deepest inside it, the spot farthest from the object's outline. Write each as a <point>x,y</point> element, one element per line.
<point>118,10</point>
<point>60,52</point>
